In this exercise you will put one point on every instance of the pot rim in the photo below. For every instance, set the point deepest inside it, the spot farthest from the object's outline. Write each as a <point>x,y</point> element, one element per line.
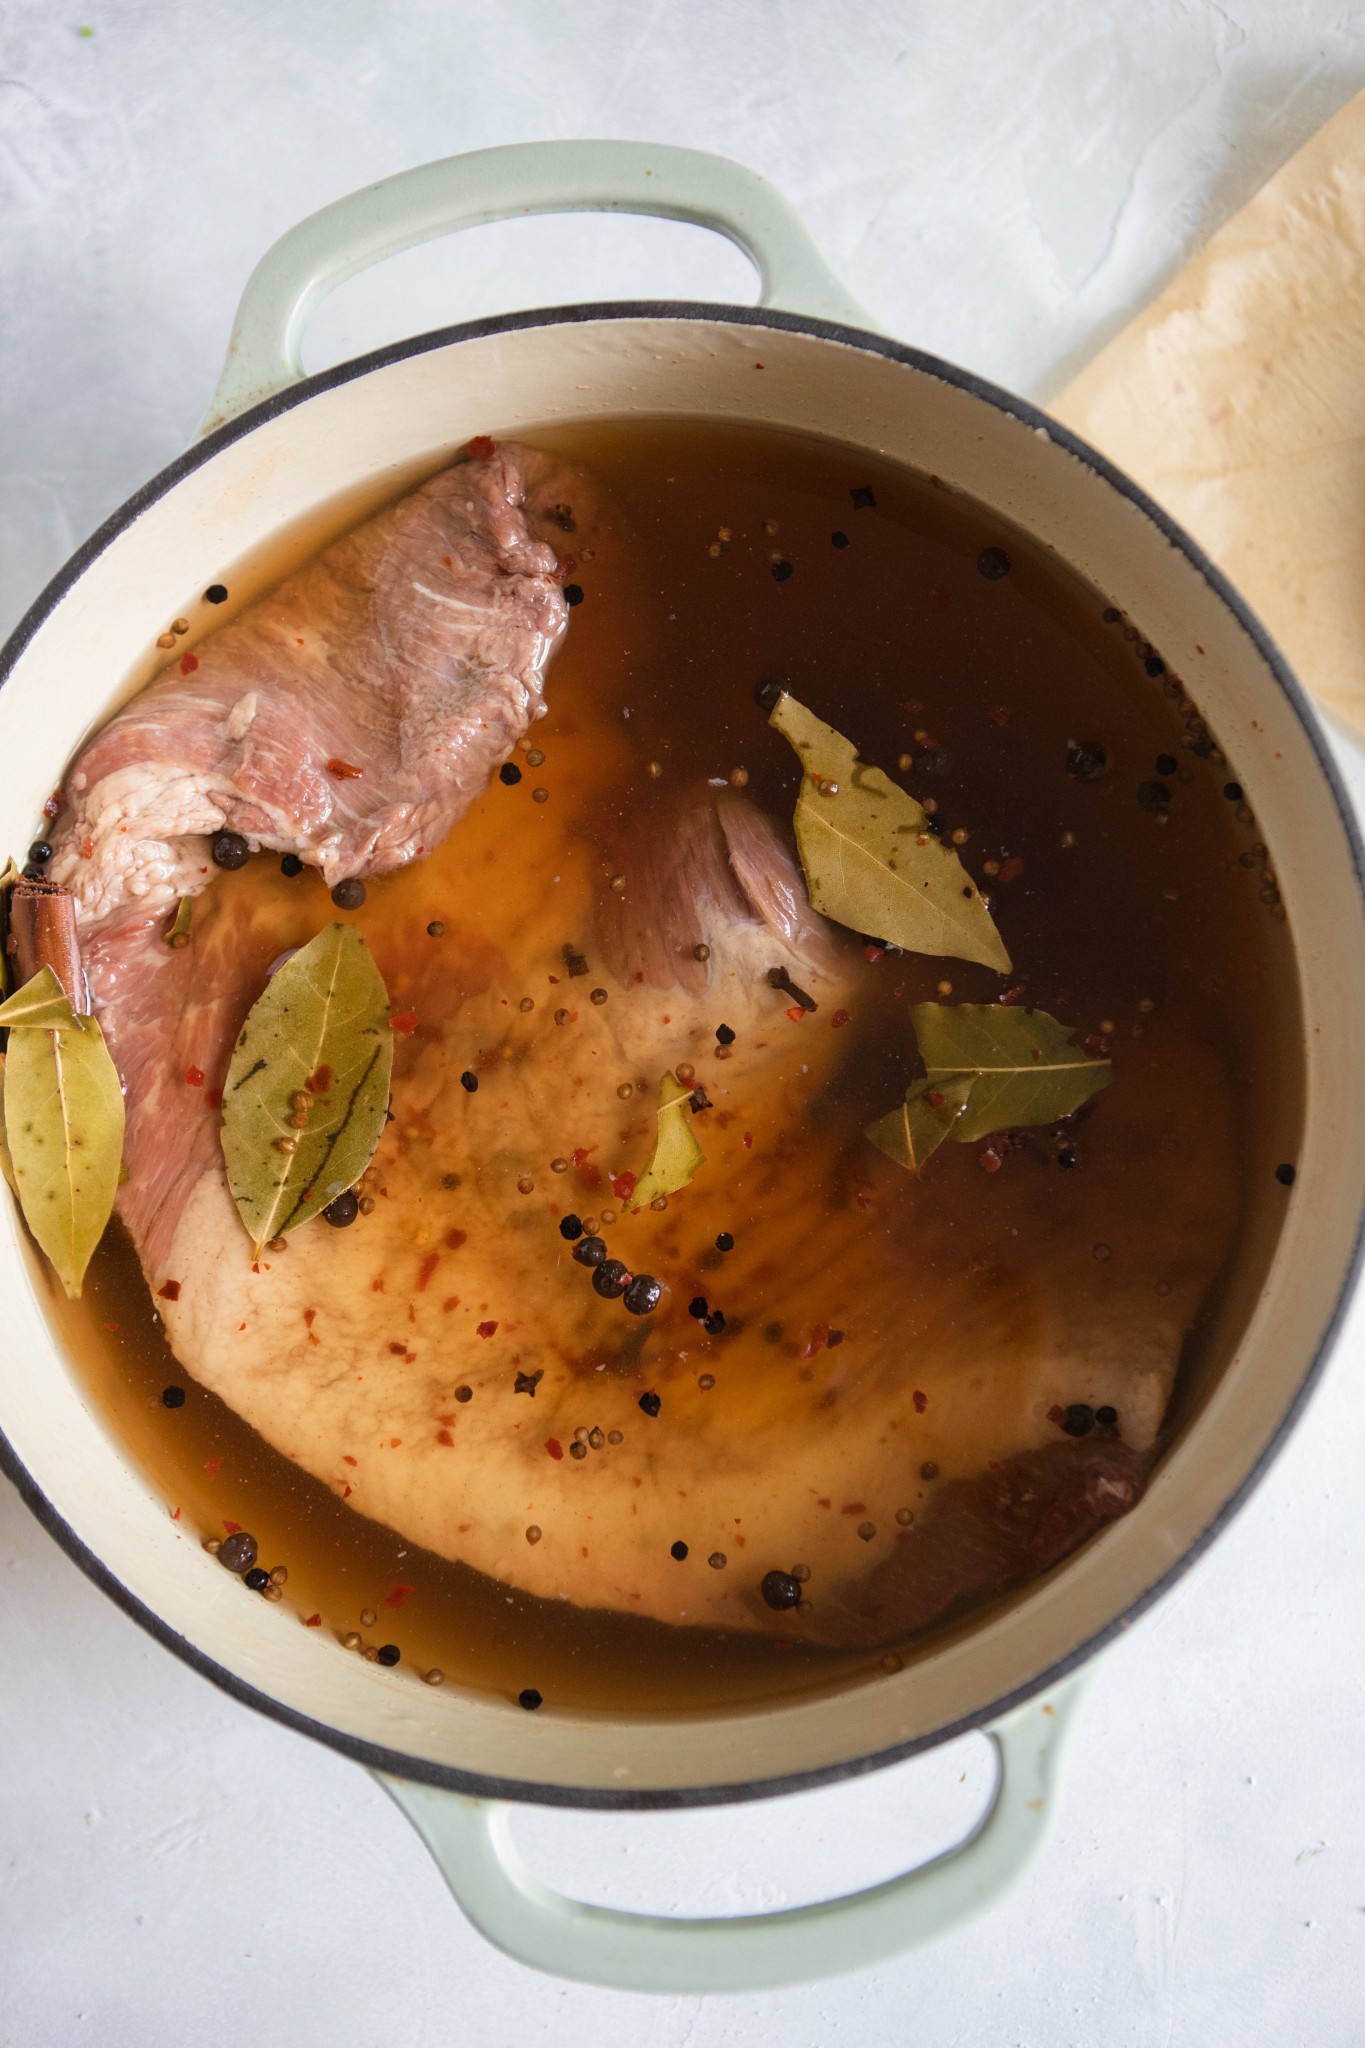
<point>448,1777</point>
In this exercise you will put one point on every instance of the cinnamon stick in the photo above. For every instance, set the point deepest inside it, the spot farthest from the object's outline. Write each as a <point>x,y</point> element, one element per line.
<point>42,933</point>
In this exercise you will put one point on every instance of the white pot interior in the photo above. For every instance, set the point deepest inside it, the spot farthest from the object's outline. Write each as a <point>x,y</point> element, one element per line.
<point>279,489</point>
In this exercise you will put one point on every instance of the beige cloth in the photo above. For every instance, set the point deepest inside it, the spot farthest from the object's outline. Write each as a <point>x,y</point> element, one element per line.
<point>1238,400</point>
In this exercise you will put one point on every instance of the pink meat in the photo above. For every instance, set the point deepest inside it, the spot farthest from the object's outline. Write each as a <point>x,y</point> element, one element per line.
<point>351,717</point>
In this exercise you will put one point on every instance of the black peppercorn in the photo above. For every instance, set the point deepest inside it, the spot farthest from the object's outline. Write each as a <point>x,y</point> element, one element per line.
<point>573,593</point>
<point>529,1698</point>
<point>611,1278</point>
<point>1233,792</point>
<point>714,1323</point>
<point>237,1553</point>
<point>1154,796</point>
<point>649,1404</point>
<point>290,865</point>
<point>699,1307</point>
<point>230,850</point>
<point>1086,760</point>
<point>839,538</point>
<point>781,571</point>
<point>571,1227</point>
<point>1285,1175</point>
<point>172,1397</point>
<point>1078,1420</point>
<point>350,894</point>
<point>1066,1157</point>
<point>678,1550</point>
<point>724,1242</point>
<point>40,852</point>
<point>724,1035</point>
<point>780,1589</point>
<point>1154,665</point>
<point>767,693</point>
<point>257,1579</point>
<point>643,1294</point>
<point>1166,764</point>
<point>862,496</point>
<point>388,1653</point>
<point>993,564</point>
<point>436,930</point>
<point>509,773</point>
<point>1106,1417</point>
<point>216,593</point>
<point>32,872</point>
<point>464,1394</point>
<point>590,1251</point>
<point>469,1081</point>
<point>343,1210</point>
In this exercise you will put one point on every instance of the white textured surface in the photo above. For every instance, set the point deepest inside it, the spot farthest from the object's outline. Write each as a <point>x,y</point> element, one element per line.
<point>1002,185</point>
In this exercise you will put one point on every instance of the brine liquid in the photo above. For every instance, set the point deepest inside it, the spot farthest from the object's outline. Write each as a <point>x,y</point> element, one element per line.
<point>729,555</point>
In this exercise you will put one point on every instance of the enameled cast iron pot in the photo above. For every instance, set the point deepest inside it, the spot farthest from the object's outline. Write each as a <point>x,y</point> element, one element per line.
<point>283,455</point>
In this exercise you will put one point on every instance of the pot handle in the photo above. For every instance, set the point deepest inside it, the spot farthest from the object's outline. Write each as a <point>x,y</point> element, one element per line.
<point>471,1842</point>
<point>494,184</point>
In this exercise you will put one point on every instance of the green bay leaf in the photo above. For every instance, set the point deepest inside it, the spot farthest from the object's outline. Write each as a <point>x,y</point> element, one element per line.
<point>1023,1066</point>
<point>909,1133</point>
<point>320,1028</point>
<point>42,1004</point>
<point>676,1155</point>
<point>868,856</point>
<point>63,1129</point>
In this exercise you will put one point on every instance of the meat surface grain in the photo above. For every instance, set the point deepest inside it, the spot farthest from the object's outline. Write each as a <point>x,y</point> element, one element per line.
<point>350,717</point>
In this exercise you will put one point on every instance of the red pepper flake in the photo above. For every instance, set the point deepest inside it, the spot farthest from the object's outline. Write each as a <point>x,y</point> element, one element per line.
<point>854,1507</point>
<point>838,1020</point>
<point>1056,1413</point>
<point>405,1021</point>
<point>819,1337</point>
<point>188,664</point>
<point>347,1459</point>
<point>426,1269</point>
<point>797,1015</point>
<point>1098,1043</point>
<point>872,954</point>
<point>486,1329</point>
<point>310,1316</point>
<point>232,1528</point>
<point>194,1077</point>
<point>481,447</point>
<point>455,1238</point>
<point>212,1466</point>
<point>398,1595</point>
<point>989,1160</point>
<point>214,1098</point>
<point>169,1290</point>
<point>377,1284</point>
<point>395,1442</point>
<point>55,804</point>
<point>318,1083</point>
<point>934,1097</point>
<point>623,1186</point>
<point>111,1326</point>
<point>1001,715</point>
<point>87,848</point>
<point>554,1446</point>
<point>1012,995</point>
<point>176,1516</point>
<point>565,567</point>
<point>1010,869</point>
<point>920,1400</point>
<point>452,1301</point>
<point>315,1620</point>
<point>748,1141</point>
<point>344,771</point>
<point>445,1439</point>
<point>399,1350</point>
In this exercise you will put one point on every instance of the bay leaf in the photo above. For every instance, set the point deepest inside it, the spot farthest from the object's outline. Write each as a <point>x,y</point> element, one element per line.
<point>909,1133</point>
<point>676,1155</point>
<point>41,1004</point>
<point>63,1105</point>
<point>319,1028</point>
<point>869,858</point>
<point>1023,1066</point>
